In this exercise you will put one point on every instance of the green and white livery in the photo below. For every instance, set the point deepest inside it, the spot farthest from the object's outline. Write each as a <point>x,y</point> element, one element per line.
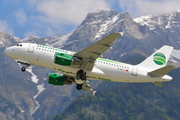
<point>160,59</point>
<point>87,64</point>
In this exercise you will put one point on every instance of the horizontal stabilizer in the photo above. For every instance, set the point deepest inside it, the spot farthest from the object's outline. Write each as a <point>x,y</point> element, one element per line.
<point>161,71</point>
<point>158,84</point>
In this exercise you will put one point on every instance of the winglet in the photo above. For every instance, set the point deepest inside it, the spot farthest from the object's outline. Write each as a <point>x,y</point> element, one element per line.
<point>161,71</point>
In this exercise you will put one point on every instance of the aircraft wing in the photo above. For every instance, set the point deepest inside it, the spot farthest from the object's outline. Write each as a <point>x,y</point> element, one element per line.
<point>91,53</point>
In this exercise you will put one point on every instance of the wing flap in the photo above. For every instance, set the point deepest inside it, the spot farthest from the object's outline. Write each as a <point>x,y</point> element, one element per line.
<point>87,87</point>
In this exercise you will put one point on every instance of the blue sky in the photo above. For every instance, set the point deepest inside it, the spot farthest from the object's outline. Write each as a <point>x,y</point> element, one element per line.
<point>44,18</point>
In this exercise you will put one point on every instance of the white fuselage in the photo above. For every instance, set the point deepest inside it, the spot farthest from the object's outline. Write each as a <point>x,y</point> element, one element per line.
<point>103,70</point>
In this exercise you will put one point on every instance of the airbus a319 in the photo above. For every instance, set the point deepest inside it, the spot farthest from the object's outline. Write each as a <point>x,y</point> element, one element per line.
<point>87,64</point>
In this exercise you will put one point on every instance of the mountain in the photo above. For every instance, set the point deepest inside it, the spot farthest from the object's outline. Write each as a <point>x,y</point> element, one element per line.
<point>128,102</point>
<point>28,95</point>
<point>140,35</point>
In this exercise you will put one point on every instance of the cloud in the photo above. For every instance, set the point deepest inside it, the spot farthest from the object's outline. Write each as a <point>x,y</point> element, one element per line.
<point>21,17</point>
<point>154,7</point>
<point>67,11</point>
<point>5,27</point>
<point>52,17</point>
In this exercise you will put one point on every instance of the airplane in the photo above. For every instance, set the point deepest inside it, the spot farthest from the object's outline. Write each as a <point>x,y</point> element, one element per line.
<point>88,64</point>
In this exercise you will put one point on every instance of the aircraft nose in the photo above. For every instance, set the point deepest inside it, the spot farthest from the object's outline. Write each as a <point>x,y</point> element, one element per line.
<point>7,51</point>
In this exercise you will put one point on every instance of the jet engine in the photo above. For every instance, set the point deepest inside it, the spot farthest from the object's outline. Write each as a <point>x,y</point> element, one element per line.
<point>66,60</point>
<point>63,59</point>
<point>56,79</point>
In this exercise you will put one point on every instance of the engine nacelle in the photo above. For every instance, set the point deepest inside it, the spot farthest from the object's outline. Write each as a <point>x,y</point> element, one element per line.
<point>63,59</point>
<point>56,79</point>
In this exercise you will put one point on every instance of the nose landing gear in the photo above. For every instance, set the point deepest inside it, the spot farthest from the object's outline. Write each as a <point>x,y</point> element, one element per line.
<point>23,69</point>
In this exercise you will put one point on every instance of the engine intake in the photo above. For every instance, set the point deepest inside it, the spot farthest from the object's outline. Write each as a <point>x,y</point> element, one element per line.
<point>56,79</point>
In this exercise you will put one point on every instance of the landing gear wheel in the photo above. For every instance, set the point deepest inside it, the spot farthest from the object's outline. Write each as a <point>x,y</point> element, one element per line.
<point>79,86</point>
<point>83,76</point>
<point>23,69</point>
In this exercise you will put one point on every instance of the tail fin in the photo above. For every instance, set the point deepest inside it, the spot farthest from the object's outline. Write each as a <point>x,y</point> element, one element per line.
<point>158,59</point>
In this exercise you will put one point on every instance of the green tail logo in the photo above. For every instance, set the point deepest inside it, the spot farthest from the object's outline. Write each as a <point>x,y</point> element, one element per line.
<point>160,59</point>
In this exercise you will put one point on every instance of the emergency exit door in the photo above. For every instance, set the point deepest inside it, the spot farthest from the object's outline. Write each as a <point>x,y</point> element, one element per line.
<point>134,70</point>
<point>31,47</point>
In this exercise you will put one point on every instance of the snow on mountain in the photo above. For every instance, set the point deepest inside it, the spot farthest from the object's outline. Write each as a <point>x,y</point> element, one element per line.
<point>58,41</point>
<point>145,20</point>
<point>108,25</point>
<point>175,55</point>
<point>165,21</point>
<point>53,41</point>
<point>34,77</point>
<point>40,88</point>
<point>11,39</point>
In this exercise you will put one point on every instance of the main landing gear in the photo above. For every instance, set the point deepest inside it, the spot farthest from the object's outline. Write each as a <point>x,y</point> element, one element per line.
<point>23,69</point>
<point>79,86</point>
<point>80,77</point>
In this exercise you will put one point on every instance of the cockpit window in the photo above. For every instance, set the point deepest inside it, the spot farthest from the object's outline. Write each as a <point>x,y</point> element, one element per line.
<point>19,45</point>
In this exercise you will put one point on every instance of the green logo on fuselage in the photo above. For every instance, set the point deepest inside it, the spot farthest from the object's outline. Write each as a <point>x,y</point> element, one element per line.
<point>160,59</point>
